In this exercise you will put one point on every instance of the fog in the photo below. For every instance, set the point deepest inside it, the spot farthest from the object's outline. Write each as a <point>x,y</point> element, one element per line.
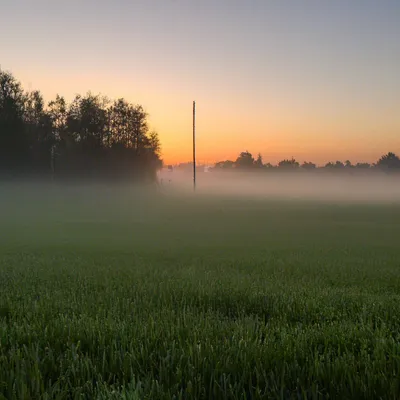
<point>162,215</point>
<point>359,187</point>
<point>364,186</point>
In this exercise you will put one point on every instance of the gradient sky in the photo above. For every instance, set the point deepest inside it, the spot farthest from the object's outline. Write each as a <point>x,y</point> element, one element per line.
<point>315,79</point>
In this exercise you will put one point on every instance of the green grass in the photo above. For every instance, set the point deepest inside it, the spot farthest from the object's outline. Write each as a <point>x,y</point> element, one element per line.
<point>113,294</point>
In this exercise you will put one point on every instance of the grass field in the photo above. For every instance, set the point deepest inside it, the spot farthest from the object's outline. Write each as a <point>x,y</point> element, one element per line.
<point>112,294</point>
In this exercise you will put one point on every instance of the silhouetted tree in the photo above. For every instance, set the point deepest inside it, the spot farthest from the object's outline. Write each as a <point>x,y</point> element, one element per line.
<point>38,126</point>
<point>336,165</point>
<point>154,143</point>
<point>87,121</point>
<point>57,111</point>
<point>388,161</point>
<point>348,164</point>
<point>269,166</point>
<point>245,160</point>
<point>14,146</point>
<point>288,164</point>
<point>308,165</point>
<point>363,166</point>
<point>128,125</point>
<point>258,163</point>
<point>228,164</point>
<point>88,137</point>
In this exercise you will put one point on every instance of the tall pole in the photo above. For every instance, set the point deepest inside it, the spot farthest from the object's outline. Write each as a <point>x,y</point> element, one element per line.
<point>194,145</point>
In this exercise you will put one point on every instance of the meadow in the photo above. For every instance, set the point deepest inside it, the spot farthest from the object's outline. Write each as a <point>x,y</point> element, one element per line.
<point>115,293</point>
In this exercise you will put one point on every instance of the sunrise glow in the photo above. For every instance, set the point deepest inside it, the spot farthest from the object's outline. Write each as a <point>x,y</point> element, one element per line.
<point>313,80</point>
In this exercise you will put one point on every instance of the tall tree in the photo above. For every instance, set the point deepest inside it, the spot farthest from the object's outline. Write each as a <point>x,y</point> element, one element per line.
<point>128,125</point>
<point>87,121</point>
<point>245,160</point>
<point>258,163</point>
<point>14,144</point>
<point>39,130</point>
<point>58,113</point>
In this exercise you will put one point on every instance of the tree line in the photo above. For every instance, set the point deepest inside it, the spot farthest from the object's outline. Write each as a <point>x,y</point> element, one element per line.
<point>389,162</point>
<point>91,137</point>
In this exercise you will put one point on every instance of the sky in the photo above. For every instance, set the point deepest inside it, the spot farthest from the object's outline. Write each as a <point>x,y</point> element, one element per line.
<point>314,79</point>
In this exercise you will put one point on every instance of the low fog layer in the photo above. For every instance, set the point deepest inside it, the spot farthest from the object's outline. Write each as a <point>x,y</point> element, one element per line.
<point>367,187</point>
<point>361,187</point>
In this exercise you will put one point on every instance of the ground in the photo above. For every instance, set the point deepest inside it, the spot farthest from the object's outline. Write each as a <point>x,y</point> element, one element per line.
<point>117,293</point>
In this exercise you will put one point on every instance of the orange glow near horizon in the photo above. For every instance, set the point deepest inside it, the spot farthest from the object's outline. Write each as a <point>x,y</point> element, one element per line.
<point>277,129</point>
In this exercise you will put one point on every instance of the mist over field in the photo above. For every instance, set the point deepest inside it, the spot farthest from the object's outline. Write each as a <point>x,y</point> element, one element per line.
<point>363,187</point>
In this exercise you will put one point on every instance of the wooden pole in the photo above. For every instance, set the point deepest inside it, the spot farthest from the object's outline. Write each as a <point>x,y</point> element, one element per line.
<point>194,145</point>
